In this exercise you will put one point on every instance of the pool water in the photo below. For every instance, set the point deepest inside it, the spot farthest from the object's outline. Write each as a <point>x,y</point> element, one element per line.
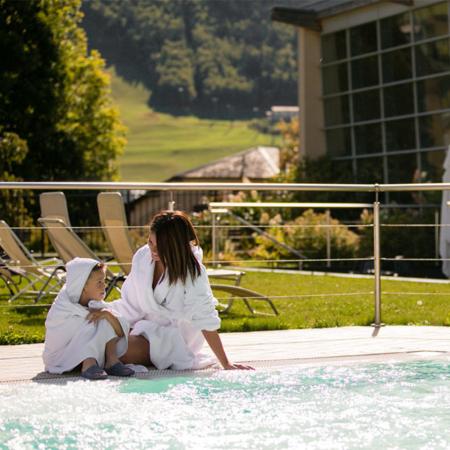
<point>383,406</point>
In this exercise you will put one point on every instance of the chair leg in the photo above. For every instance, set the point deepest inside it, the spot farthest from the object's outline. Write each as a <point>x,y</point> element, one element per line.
<point>245,295</point>
<point>113,284</point>
<point>47,282</point>
<point>248,306</point>
<point>9,282</point>
<point>228,307</point>
<point>275,310</point>
<point>23,290</point>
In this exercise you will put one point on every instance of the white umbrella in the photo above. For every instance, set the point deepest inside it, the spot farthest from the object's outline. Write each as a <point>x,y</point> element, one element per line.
<point>444,245</point>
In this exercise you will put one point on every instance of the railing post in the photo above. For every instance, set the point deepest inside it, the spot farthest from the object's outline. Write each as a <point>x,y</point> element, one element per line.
<point>214,239</point>
<point>42,243</point>
<point>377,263</point>
<point>328,238</point>
<point>171,205</point>
<point>437,222</point>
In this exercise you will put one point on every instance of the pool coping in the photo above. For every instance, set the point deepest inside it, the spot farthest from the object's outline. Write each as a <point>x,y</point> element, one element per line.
<point>272,349</point>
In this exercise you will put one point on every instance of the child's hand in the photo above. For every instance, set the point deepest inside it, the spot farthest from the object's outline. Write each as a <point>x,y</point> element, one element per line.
<point>96,315</point>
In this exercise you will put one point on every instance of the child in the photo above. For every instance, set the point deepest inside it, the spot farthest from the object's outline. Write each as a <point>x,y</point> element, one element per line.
<point>76,333</point>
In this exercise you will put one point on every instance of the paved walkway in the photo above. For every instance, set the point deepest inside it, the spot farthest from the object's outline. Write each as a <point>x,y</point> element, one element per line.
<point>280,348</point>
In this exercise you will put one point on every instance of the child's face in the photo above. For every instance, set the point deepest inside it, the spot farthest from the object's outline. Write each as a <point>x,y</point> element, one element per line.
<point>95,286</point>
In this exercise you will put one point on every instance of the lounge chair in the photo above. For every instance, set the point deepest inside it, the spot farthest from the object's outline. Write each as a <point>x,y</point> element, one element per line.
<point>54,204</point>
<point>114,223</point>
<point>69,245</point>
<point>246,295</point>
<point>22,264</point>
<point>7,277</point>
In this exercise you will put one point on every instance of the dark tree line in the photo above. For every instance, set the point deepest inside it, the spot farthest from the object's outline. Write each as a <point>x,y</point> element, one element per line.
<point>214,56</point>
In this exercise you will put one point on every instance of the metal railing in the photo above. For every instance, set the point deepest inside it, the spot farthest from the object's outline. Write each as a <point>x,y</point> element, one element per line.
<point>376,189</point>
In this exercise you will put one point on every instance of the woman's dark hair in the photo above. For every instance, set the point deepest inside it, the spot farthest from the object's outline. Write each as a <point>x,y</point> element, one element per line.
<point>174,234</point>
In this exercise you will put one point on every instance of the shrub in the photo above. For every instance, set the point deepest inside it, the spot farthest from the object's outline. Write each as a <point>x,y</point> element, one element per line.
<point>308,235</point>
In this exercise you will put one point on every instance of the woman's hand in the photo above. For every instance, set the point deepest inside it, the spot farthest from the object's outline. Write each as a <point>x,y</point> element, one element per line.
<point>214,341</point>
<point>231,366</point>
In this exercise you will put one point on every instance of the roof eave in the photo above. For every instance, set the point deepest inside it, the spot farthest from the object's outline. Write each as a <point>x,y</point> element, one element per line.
<point>308,18</point>
<point>299,17</point>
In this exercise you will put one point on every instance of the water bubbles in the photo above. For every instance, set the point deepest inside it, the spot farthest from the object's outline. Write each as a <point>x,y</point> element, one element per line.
<point>394,405</point>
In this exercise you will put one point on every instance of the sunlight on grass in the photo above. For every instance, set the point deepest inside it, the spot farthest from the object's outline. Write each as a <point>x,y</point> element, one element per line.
<point>300,305</point>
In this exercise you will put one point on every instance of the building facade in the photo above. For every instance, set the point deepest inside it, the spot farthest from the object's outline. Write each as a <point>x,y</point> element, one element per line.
<point>374,85</point>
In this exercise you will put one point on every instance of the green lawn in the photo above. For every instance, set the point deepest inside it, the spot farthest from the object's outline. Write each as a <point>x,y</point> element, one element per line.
<point>160,145</point>
<point>20,325</point>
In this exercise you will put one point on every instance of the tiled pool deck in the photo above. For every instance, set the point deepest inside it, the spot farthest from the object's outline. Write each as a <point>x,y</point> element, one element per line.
<point>279,348</point>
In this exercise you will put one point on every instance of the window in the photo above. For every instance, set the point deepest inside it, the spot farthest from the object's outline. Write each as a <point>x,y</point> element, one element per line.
<point>336,110</point>
<point>433,57</point>
<point>432,164</point>
<point>368,139</point>
<point>400,135</point>
<point>388,104</point>
<point>431,21</point>
<point>369,170</point>
<point>397,65</point>
<point>363,38</point>
<point>366,105</point>
<point>334,46</point>
<point>433,93</point>
<point>365,72</point>
<point>398,100</point>
<point>335,78</point>
<point>395,30</point>
<point>402,168</point>
<point>339,142</point>
<point>434,130</point>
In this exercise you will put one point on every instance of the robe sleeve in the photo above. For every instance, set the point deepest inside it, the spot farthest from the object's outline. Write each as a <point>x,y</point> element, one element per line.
<point>124,309</point>
<point>200,303</point>
<point>128,305</point>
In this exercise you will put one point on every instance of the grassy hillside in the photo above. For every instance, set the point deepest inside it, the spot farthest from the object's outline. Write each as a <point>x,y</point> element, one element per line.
<point>160,145</point>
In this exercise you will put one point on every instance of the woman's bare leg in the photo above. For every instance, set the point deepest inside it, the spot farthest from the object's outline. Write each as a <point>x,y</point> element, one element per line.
<point>138,351</point>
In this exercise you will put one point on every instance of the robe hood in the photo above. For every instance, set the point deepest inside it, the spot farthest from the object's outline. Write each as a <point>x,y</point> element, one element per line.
<point>78,271</point>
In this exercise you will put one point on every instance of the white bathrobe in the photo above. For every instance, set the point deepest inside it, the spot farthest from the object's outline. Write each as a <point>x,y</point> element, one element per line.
<point>69,337</point>
<point>170,317</point>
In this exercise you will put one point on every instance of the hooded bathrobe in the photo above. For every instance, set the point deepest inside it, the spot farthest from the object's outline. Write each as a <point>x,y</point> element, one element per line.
<point>69,337</point>
<point>170,317</point>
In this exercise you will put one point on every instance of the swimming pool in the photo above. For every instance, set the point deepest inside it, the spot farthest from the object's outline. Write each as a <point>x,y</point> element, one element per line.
<point>399,405</point>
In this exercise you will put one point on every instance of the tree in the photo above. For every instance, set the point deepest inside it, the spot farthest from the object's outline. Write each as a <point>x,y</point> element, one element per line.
<point>54,95</point>
<point>13,151</point>
<point>209,55</point>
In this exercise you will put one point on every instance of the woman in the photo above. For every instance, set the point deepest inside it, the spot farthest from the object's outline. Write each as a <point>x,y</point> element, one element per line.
<point>168,300</point>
